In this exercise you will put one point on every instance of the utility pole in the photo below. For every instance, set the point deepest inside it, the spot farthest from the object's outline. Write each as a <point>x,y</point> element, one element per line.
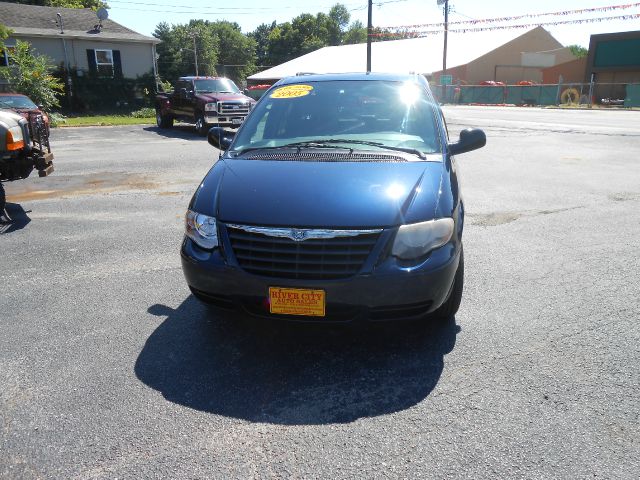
<point>446,33</point>
<point>369,32</point>
<point>195,51</point>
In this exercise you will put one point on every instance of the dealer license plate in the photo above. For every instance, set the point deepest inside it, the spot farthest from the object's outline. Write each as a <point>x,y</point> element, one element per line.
<point>236,121</point>
<point>297,301</point>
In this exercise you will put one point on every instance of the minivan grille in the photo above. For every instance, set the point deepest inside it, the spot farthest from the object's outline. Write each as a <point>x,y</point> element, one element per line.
<point>326,258</point>
<point>233,108</point>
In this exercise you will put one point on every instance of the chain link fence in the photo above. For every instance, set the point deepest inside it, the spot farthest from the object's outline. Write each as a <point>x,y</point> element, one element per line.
<point>608,94</point>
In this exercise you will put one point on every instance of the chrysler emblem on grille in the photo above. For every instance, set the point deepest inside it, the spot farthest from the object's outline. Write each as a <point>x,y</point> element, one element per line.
<point>301,234</point>
<point>297,235</point>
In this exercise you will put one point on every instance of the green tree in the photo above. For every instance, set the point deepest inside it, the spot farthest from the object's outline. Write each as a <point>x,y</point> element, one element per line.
<point>234,48</point>
<point>176,52</point>
<point>356,33</point>
<point>578,51</point>
<point>222,43</point>
<point>4,33</point>
<point>306,33</point>
<point>30,75</point>
<point>310,32</point>
<point>338,22</point>
<point>261,36</point>
<point>278,44</point>
<point>340,15</point>
<point>222,49</point>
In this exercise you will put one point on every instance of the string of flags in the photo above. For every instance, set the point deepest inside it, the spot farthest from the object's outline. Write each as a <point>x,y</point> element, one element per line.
<point>419,33</point>
<point>565,13</point>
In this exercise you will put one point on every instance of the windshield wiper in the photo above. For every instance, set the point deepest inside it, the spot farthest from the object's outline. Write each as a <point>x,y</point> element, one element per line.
<point>296,145</point>
<point>324,143</point>
<point>414,151</point>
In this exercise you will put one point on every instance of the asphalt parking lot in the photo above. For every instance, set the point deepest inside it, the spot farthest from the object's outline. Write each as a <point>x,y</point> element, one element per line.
<point>109,368</point>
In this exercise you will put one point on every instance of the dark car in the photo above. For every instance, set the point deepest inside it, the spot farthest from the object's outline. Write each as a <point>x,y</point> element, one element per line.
<point>337,199</point>
<point>22,105</point>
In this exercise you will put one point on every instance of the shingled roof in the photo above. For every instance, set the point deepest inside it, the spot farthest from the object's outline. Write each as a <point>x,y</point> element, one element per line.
<point>33,20</point>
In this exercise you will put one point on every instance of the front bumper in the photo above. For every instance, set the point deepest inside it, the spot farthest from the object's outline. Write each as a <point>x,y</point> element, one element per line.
<point>388,292</point>
<point>224,120</point>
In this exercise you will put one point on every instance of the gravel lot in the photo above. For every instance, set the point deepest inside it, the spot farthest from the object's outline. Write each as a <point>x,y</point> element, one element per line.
<point>110,369</point>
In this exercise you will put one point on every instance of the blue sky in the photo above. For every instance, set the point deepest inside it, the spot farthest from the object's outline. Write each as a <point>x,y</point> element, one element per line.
<point>143,15</point>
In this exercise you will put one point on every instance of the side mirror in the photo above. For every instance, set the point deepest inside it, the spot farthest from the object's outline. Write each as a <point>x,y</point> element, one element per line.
<point>470,139</point>
<point>220,138</point>
<point>183,92</point>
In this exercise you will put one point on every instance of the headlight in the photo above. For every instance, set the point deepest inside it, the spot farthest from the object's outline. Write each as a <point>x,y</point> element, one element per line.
<point>416,240</point>
<point>15,139</point>
<point>210,107</point>
<point>201,229</point>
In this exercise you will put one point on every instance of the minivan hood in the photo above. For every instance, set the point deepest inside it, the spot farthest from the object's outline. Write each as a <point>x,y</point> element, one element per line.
<point>320,194</point>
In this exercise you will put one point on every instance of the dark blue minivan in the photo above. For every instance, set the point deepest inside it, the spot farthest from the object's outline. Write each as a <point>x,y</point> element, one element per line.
<point>336,200</point>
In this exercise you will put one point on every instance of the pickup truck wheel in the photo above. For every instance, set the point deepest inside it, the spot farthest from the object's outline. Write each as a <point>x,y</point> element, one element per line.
<point>163,121</point>
<point>3,202</point>
<point>201,125</point>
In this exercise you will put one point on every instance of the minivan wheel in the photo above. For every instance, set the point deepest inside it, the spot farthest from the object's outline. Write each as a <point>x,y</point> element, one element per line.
<point>450,307</point>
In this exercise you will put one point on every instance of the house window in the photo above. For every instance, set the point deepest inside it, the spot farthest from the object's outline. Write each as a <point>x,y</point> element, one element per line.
<point>104,62</point>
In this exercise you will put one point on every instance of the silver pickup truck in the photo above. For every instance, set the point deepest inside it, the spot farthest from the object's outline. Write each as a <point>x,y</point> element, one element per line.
<point>24,147</point>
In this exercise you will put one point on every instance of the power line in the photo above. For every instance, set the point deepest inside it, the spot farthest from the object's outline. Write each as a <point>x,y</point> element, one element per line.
<point>419,34</point>
<point>580,11</point>
<point>191,10</point>
<point>183,12</point>
<point>204,7</point>
<point>377,4</point>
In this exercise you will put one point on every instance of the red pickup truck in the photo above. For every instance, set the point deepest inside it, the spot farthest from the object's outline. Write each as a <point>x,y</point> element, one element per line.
<point>205,101</point>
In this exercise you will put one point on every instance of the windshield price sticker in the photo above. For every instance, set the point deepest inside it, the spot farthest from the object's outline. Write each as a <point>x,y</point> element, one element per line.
<point>292,91</point>
<point>296,301</point>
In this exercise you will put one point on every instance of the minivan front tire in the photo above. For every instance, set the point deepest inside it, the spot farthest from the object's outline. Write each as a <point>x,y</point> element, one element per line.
<point>451,305</point>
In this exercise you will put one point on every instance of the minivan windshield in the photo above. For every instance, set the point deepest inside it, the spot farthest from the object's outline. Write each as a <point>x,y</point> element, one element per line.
<point>354,114</point>
<point>219,85</point>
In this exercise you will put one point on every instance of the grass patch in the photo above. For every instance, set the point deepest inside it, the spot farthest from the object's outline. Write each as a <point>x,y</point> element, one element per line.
<point>104,120</point>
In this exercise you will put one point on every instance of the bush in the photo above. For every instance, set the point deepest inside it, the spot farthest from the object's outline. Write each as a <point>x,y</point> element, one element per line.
<point>30,76</point>
<point>146,112</point>
<point>93,93</point>
<point>165,86</point>
<point>56,119</point>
